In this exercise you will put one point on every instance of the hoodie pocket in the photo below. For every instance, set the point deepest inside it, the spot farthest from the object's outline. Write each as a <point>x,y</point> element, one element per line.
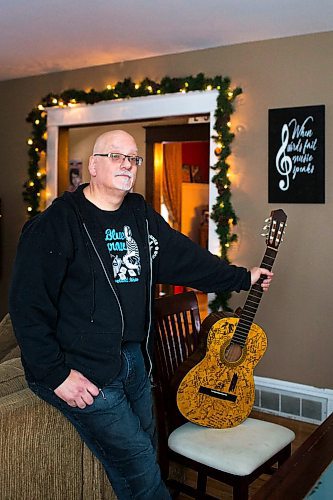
<point>95,354</point>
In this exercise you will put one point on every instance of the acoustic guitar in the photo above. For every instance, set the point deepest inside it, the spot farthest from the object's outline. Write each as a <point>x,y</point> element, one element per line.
<point>219,391</point>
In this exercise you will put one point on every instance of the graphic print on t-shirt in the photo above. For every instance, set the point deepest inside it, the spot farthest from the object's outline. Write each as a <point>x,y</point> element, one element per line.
<point>124,252</point>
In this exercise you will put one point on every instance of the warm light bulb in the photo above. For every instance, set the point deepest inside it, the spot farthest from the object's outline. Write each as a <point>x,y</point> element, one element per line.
<point>29,209</point>
<point>186,84</point>
<point>39,174</point>
<point>229,124</point>
<point>137,86</point>
<point>37,122</point>
<point>38,194</point>
<point>54,101</point>
<point>150,88</point>
<point>230,94</point>
<point>30,142</point>
<point>31,183</point>
<point>109,87</point>
<point>209,87</point>
<point>40,107</point>
<point>36,149</point>
<point>227,245</point>
<point>158,91</point>
<point>221,204</point>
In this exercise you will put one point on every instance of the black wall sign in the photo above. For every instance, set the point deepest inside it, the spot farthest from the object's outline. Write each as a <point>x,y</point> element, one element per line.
<point>296,155</point>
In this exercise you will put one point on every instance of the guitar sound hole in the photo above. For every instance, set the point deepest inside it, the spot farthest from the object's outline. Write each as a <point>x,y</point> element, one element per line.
<point>233,353</point>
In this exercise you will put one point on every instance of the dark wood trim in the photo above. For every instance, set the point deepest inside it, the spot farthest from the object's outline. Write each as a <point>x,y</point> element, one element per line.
<point>301,471</point>
<point>171,133</point>
<point>63,159</point>
<point>177,133</point>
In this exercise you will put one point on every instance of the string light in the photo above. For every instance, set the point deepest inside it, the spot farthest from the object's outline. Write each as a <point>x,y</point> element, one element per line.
<point>222,212</point>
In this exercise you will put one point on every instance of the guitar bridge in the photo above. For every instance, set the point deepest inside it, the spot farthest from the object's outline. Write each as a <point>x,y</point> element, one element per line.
<point>217,394</point>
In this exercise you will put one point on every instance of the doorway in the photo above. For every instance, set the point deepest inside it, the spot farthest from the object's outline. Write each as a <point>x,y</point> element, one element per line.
<point>177,181</point>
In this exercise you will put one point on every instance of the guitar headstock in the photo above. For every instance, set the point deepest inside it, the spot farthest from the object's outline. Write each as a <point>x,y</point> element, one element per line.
<point>275,225</point>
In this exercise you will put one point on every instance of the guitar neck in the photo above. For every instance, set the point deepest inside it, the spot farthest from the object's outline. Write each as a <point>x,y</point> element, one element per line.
<point>253,300</point>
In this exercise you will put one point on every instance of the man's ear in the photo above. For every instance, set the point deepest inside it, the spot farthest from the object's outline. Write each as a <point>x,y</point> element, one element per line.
<point>92,166</point>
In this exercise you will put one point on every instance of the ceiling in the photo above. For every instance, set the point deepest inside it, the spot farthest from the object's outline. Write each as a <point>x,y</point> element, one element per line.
<point>43,36</point>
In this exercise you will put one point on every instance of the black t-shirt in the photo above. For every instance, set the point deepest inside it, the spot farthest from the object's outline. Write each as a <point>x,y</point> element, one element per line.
<point>119,233</point>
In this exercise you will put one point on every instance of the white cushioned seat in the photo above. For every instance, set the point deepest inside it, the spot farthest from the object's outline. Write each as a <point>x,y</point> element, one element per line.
<point>239,450</point>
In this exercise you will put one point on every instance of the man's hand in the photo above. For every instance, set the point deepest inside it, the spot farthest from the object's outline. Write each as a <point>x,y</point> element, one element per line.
<point>77,390</point>
<point>256,272</point>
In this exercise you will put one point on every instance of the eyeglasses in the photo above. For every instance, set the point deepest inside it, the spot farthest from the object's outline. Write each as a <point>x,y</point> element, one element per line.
<point>119,158</point>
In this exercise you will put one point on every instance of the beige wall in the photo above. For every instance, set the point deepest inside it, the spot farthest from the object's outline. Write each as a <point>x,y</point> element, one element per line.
<point>296,313</point>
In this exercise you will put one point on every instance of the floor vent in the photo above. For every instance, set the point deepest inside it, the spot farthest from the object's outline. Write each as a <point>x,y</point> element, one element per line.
<point>290,400</point>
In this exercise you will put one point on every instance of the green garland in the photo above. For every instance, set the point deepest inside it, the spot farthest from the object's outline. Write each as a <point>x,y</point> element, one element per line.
<point>222,212</point>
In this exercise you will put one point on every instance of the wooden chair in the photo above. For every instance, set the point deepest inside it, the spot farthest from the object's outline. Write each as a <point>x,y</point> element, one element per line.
<point>235,456</point>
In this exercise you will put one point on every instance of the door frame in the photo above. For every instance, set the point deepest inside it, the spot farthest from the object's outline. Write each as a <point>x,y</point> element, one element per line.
<point>129,110</point>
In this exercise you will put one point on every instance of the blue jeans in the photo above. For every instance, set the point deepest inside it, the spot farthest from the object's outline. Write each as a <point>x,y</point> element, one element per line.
<point>119,429</point>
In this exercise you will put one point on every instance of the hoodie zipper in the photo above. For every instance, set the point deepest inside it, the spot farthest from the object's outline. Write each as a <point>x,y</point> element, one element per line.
<point>108,279</point>
<point>149,300</point>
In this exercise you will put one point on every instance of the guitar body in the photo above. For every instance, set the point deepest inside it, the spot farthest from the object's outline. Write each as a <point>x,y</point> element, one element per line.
<point>219,391</point>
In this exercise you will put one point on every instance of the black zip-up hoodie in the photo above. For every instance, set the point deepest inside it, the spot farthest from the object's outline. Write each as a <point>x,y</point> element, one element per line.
<point>64,304</point>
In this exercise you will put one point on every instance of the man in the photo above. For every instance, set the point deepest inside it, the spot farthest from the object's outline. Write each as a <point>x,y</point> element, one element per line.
<point>81,302</point>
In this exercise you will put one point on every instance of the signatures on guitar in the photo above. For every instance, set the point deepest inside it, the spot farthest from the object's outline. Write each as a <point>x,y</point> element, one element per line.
<point>218,393</point>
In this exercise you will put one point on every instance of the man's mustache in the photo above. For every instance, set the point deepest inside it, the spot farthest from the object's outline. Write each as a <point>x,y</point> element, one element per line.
<point>124,172</point>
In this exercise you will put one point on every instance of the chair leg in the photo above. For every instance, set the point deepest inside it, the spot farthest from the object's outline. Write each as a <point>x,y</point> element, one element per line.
<point>201,486</point>
<point>241,490</point>
<point>286,452</point>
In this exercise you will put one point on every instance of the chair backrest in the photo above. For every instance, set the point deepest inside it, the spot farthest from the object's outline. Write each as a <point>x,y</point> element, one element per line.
<point>177,326</point>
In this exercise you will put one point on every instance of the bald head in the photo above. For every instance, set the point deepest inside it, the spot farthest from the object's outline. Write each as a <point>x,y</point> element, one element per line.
<point>113,141</point>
